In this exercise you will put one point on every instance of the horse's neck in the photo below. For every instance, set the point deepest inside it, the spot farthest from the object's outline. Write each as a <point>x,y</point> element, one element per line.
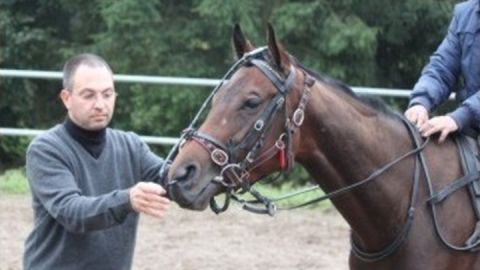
<point>344,141</point>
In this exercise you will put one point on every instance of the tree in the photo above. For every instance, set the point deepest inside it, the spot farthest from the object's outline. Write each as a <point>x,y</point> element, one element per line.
<point>351,40</point>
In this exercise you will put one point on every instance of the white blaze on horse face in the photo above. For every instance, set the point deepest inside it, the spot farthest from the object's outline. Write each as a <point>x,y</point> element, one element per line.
<point>224,122</point>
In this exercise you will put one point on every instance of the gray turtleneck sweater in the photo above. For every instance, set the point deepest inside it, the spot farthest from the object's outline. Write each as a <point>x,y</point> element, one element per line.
<point>82,215</point>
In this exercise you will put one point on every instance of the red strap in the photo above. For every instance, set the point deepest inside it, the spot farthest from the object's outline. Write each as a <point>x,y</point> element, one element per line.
<point>282,158</point>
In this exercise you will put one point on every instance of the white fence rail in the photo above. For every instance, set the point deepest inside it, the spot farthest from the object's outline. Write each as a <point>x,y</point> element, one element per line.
<point>55,75</point>
<point>35,132</point>
<point>36,74</point>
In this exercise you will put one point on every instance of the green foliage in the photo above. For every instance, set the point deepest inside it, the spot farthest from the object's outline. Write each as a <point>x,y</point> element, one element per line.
<point>14,181</point>
<point>358,42</point>
<point>289,189</point>
<point>287,185</point>
<point>155,115</point>
<point>288,194</point>
<point>329,39</point>
<point>12,151</point>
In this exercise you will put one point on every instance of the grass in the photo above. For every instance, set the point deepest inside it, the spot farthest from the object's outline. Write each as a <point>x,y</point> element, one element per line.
<point>286,189</point>
<point>14,181</point>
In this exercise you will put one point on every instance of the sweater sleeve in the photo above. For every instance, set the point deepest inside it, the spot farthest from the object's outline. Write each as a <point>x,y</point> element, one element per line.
<point>53,185</point>
<point>151,164</point>
<point>440,75</point>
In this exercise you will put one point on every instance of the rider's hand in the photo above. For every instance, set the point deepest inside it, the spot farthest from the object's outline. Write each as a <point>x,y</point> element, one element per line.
<point>417,114</point>
<point>149,198</point>
<point>442,124</point>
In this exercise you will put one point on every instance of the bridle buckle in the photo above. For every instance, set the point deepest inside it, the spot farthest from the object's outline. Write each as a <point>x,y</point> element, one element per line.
<point>219,157</point>
<point>298,117</point>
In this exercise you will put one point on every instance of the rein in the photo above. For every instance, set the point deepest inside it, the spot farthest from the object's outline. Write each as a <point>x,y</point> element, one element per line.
<point>342,190</point>
<point>357,251</point>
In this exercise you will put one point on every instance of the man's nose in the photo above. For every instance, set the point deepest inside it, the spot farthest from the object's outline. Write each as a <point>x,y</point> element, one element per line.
<point>99,102</point>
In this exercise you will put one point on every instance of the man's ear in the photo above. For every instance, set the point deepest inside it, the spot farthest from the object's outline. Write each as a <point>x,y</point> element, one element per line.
<point>65,96</point>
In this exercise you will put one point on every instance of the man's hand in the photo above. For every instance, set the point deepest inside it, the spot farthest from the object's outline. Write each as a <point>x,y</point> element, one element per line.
<point>442,124</point>
<point>418,115</point>
<point>149,198</point>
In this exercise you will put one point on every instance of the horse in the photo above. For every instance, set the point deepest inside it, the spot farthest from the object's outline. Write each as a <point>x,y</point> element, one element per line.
<point>270,111</point>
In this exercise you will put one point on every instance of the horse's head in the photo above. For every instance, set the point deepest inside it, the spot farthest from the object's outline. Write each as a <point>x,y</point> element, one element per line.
<point>248,132</point>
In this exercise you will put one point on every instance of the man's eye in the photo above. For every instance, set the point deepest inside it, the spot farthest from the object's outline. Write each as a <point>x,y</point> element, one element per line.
<point>89,96</point>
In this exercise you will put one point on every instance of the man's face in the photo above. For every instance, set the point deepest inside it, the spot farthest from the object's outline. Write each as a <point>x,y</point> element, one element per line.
<point>91,101</point>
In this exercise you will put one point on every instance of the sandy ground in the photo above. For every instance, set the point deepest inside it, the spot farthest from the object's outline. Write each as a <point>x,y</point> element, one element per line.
<point>299,239</point>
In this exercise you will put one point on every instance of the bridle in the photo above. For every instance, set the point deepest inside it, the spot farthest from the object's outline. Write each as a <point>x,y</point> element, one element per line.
<point>234,171</point>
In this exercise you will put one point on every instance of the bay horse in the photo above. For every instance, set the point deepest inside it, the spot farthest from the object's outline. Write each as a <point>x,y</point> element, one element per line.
<point>270,111</point>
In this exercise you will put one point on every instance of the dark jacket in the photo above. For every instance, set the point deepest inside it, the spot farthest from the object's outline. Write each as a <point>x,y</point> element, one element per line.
<point>458,55</point>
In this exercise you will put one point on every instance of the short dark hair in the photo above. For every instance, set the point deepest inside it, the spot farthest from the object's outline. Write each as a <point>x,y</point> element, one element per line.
<point>71,66</point>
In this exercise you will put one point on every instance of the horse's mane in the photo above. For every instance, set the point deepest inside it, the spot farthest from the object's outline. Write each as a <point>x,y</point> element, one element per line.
<point>373,102</point>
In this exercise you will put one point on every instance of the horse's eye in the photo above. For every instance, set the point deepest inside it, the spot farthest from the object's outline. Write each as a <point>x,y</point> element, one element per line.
<point>252,103</point>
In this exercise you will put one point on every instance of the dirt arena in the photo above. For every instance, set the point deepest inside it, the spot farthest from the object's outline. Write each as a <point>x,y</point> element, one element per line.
<point>296,240</point>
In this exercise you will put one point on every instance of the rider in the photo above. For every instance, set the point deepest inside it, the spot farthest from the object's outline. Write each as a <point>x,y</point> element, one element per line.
<point>457,56</point>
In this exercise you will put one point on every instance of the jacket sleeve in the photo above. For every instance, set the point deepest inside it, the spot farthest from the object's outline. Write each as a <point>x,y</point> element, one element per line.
<point>53,184</point>
<point>441,73</point>
<point>467,111</point>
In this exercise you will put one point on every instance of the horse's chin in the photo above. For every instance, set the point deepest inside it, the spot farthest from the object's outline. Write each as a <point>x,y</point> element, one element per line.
<point>192,200</point>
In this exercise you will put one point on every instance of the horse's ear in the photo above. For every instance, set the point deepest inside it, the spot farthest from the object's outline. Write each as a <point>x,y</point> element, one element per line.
<point>279,55</point>
<point>240,43</point>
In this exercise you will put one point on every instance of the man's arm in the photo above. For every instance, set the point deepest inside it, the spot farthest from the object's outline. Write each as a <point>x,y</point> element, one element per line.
<point>440,75</point>
<point>150,163</point>
<point>434,87</point>
<point>150,197</point>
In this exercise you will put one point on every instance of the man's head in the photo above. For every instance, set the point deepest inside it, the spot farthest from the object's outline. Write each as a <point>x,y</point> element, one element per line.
<point>88,92</point>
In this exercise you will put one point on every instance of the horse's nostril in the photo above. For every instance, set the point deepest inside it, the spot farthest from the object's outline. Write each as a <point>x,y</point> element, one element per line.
<point>186,172</point>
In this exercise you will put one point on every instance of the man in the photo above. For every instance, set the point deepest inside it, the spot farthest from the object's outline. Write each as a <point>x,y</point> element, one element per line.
<point>457,56</point>
<point>85,179</point>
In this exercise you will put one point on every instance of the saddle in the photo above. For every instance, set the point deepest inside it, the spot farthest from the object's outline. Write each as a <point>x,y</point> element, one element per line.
<point>469,154</point>
<point>468,148</point>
